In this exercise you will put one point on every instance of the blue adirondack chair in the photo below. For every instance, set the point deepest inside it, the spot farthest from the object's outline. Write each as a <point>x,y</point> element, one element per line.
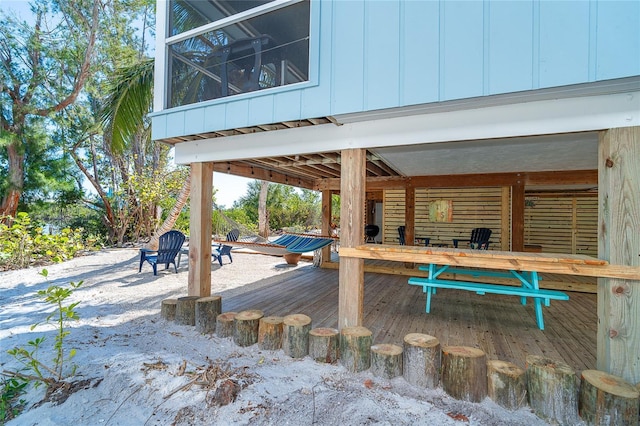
<point>222,250</point>
<point>479,239</point>
<point>169,246</point>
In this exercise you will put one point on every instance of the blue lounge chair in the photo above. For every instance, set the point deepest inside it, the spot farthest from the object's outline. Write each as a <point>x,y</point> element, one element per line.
<point>168,247</point>
<point>479,239</point>
<point>224,250</point>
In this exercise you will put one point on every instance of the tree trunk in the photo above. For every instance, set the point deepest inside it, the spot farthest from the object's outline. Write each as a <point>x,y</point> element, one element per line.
<point>11,199</point>
<point>170,221</point>
<point>263,220</point>
<point>606,399</point>
<point>552,387</point>
<point>464,373</point>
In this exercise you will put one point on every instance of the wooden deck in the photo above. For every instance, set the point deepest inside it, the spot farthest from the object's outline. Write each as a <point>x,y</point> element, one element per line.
<point>499,325</point>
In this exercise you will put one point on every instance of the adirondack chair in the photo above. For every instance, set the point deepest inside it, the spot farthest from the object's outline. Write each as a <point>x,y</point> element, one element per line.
<point>169,246</point>
<point>223,250</point>
<point>402,239</point>
<point>479,239</point>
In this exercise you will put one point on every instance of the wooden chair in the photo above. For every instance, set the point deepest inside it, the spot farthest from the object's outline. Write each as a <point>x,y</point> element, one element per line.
<point>479,239</point>
<point>401,237</point>
<point>223,250</point>
<point>169,246</point>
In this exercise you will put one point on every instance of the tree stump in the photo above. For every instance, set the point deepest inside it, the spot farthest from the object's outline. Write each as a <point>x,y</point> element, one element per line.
<point>168,309</point>
<point>186,310</point>
<point>386,360</point>
<point>421,360</point>
<point>246,324</point>
<point>295,335</point>
<point>355,348</point>
<point>225,324</point>
<point>464,373</point>
<point>270,333</point>
<point>324,345</point>
<point>606,399</point>
<point>207,311</point>
<point>506,385</point>
<point>552,387</point>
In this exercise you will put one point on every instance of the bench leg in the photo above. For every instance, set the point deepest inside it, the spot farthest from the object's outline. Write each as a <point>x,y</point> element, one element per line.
<point>523,300</point>
<point>538,308</point>
<point>428,307</point>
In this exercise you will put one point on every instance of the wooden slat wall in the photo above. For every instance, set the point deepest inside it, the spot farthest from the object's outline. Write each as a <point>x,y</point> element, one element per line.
<point>562,224</point>
<point>472,208</point>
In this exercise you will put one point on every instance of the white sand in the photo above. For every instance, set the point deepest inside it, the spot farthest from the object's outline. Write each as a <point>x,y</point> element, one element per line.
<point>133,358</point>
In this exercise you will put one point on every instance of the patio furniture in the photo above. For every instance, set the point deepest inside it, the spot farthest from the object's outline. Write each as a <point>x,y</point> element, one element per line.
<point>479,239</point>
<point>401,237</point>
<point>371,232</point>
<point>223,249</point>
<point>169,246</point>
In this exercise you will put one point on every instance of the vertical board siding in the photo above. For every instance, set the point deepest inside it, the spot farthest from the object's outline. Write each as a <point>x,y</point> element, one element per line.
<point>562,224</point>
<point>382,55</point>
<point>261,109</point>
<point>393,214</point>
<point>564,42</point>
<point>616,44</point>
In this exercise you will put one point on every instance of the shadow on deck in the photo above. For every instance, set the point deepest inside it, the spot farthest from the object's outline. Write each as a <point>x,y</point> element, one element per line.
<point>499,325</point>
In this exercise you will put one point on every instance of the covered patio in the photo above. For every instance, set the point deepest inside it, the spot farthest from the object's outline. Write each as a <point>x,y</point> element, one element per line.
<point>499,325</point>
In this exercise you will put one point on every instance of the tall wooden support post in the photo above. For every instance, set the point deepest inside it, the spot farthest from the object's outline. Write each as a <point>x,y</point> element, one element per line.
<point>409,214</point>
<point>326,223</point>
<point>505,215</point>
<point>517,216</point>
<point>619,243</point>
<point>352,196</point>
<point>200,229</point>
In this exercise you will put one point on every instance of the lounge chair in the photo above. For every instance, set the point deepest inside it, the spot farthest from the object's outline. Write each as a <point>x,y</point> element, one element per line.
<point>479,239</point>
<point>169,246</point>
<point>225,250</point>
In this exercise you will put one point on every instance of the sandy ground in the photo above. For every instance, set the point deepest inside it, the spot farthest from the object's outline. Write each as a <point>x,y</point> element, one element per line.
<point>142,370</point>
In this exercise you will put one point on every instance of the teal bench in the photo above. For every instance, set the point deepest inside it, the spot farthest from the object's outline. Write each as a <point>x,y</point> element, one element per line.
<point>529,286</point>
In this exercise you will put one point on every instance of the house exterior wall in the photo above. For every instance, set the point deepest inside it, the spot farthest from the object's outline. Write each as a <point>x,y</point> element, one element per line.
<point>370,55</point>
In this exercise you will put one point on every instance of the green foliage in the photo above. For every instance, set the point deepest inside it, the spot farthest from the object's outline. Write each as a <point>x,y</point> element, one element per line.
<point>39,371</point>
<point>10,391</point>
<point>24,243</point>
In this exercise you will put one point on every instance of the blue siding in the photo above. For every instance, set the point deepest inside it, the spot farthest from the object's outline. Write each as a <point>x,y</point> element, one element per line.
<point>369,55</point>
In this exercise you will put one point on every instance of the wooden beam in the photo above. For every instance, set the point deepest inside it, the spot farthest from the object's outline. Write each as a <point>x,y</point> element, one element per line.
<point>505,219</point>
<point>409,214</point>
<point>517,216</point>
<point>377,183</point>
<point>619,242</point>
<point>351,274</point>
<point>199,280</point>
<point>326,224</point>
<point>259,173</point>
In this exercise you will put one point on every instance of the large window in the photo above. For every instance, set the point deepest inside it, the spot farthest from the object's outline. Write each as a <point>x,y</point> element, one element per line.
<point>235,47</point>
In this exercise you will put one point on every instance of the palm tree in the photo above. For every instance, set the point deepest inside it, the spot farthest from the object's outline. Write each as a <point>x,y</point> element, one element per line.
<point>128,103</point>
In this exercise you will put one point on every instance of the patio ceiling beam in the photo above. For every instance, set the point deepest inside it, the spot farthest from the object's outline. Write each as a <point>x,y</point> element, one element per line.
<point>255,172</point>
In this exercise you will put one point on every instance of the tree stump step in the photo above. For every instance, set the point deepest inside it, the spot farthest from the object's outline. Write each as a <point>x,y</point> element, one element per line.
<point>324,344</point>
<point>168,309</point>
<point>506,384</point>
<point>421,359</point>
<point>464,373</point>
<point>607,399</point>
<point>355,348</point>
<point>552,387</point>
<point>207,311</point>
<point>386,360</point>
<point>246,325</point>
<point>295,335</point>
<point>186,310</point>
<point>270,333</point>
<point>225,324</point>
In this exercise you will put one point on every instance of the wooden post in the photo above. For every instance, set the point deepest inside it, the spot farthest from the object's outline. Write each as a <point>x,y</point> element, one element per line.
<point>295,335</point>
<point>207,311</point>
<point>186,310</point>
<point>517,215</point>
<point>245,323</point>
<point>409,214</point>
<point>168,309</point>
<point>619,243</point>
<point>552,387</point>
<point>225,324</point>
<point>355,348</point>
<point>606,399</point>
<point>351,273</point>
<point>270,333</point>
<point>324,345</point>
<point>326,224</point>
<point>505,215</point>
<point>199,280</point>
<point>464,373</point>
<point>421,360</point>
<point>506,384</point>
<point>386,360</point>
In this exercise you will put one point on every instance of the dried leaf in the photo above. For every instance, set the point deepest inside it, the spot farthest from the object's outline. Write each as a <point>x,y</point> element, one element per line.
<point>368,383</point>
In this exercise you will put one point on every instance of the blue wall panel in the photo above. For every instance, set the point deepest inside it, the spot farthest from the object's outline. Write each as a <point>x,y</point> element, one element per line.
<point>215,117</point>
<point>419,52</point>
<point>461,41</point>
<point>347,86</point>
<point>510,56</point>
<point>237,114</point>
<point>194,121</point>
<point>618,39</point>
<point>564,43</point>
<point>382,55</point>
<point>286,105</point>
<point>175,124</point>
<point>316,99</point>
<point>261,109</point>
